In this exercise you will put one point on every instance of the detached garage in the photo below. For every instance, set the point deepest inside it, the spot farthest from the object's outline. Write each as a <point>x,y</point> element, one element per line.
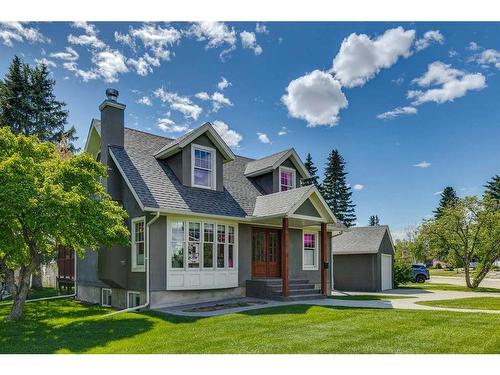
<point>363,259</point>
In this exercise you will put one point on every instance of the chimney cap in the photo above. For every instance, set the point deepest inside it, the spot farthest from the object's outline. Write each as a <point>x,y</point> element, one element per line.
<point>112,94</point>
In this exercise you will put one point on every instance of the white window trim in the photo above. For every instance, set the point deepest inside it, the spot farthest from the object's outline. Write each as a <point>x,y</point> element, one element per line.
<point>102,296</point>
<point>294,176</point>
<point>214,166</point>
<point>129,292</point>
<point>316,255</point>
<point>133,250</point>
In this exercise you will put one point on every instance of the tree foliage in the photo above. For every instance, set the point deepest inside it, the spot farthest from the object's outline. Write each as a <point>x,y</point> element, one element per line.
<point>28,104</point>
<point>336,191</point>
<point>493,189</point>
<point>374,221</point>
<point>448,197</point>
<point>467,231</point>
<point>46,200</point>
<point>313,171</point>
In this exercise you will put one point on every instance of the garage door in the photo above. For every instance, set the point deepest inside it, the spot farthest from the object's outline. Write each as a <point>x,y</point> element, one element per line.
<point>386,271</point>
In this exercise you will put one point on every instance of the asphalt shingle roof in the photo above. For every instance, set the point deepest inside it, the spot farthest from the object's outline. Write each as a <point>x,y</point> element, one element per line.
<point>360,240</point>
<point>279,203</point>
<point>266,162</point>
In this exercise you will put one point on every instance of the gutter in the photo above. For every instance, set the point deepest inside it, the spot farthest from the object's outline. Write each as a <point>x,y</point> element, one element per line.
<point>146,304</point>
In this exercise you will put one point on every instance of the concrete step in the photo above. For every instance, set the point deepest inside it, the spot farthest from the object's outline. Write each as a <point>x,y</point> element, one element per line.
<point>278,288</point>
<point>305,297</point>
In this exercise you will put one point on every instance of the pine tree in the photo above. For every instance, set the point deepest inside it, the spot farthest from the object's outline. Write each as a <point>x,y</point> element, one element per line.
<point>311,168</point>
<point>335,190</point>
<point>493,188</point>
<point>448,196</point>
<point>373,221</point>
<point>28,104</point>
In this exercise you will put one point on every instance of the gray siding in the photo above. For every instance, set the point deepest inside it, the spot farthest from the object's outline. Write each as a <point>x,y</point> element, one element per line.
<point>356,272</point>
<point>308,209</point>
<point>244,253</point>
<point>265,182</point>
<point>158,254</point>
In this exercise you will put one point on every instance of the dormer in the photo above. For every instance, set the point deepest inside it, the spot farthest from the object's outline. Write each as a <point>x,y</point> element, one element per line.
<point>278,172</point>
<point>197,158</point>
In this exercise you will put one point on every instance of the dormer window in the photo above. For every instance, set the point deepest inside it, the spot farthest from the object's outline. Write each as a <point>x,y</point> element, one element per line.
<point>287,178</point>
<point>203,167</point>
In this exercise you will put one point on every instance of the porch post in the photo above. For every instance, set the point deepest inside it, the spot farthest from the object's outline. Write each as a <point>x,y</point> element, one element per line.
<point>284,257</point>
<point>323,258</point>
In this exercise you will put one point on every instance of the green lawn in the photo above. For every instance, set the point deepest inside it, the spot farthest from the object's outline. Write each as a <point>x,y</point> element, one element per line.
<point>64,326</point>
<point>443,272</point>
<point>45,292</point>
<point>368,297</point>
<point>480,303</point>
<point>456,288</point>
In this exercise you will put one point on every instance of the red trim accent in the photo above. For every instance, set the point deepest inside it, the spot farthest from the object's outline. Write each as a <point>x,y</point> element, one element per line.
<point>284,257</point>
<point>323,259</point>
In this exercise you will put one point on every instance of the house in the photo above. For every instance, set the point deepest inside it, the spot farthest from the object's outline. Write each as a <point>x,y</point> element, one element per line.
<point>205,224</point>
<point>363,259</point>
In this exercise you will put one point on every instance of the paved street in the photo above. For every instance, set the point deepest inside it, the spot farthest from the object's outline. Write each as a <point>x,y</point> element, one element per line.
<point>487,283</point>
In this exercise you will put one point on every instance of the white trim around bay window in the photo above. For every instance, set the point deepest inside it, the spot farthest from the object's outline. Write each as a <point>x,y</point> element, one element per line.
<point>203,167</point>
<point>138,244</point>
<point>310,252</point>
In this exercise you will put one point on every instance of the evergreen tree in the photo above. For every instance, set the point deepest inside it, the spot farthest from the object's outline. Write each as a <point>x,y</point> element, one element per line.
<point>448,196</point>
<point>493,188</point>
<point>311,168</point>
<point>29,107</point>
<point>335,190</point>
<point>373,221</point>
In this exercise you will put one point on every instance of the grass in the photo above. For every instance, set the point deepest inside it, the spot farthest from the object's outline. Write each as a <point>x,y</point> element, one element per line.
<point>64,326</point>
<point>480,303</point>
<point>43,293</point>
<point>444,272</point>
<point>368,297</point>
<point>450,287</point>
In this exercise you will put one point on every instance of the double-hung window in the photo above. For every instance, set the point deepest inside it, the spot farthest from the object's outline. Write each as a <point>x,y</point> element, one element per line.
<point>203,167</point>
<point>133,299</point>
<point>106,297</point>
<point>310,251</point>
<point>287,178</point>
<point>138,244</point>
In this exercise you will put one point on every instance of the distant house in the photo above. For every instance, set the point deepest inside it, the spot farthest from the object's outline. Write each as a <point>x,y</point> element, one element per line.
<point>205,223</point>
<point>363,259</point>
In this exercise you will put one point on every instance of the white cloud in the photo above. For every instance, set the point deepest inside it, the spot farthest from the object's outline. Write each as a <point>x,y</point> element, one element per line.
<point>231,137</point>
<point>360,58</point>
<point>126,39</point>
<point>47,62</point>
<point>145,100</point>
<point>157,39</point>
<point>316,98</point>
<point>422,164</point>
<point>397,112</point>
<point>168,126</point>
<point>202,95</point>
<point>143,65</point>
<point>283,131</point>
<point>109,64</point>
<point>473,46</point>
<point>431,36</point>
<point>488,57</point>
<point>263,137</point>
<point>261,28</point>
<point>216,34</point>
<point>224,83</point>
<point>68,55</point>
<point>88,27</point>
<point>452,53</point>
<point>248,40</point>
<point>451,84</point>
<point>179,103</point>
<point>438,192</point>
<point>89,38</point>
<point>217,98</point>
<point>11,32</point>
<point>358,187</point>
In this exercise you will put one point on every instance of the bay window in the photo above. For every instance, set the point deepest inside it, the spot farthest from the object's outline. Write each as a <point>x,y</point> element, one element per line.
<point>310,251</point>
<point>203,167</point>
<point>177,244</point>
<point>138,244</point>
<point>287,178</point>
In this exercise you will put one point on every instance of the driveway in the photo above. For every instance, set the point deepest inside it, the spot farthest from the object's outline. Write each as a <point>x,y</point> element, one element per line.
<point>487,283</point>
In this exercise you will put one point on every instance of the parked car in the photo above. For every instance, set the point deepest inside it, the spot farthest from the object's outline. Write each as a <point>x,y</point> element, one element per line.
<point>420,273</point>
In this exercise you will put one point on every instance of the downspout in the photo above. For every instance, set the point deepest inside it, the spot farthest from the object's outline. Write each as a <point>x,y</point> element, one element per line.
<point>146,304</point>
<point>332,282</point>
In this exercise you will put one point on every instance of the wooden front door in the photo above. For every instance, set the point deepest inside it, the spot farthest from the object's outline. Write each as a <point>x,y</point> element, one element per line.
<point>266,250</point>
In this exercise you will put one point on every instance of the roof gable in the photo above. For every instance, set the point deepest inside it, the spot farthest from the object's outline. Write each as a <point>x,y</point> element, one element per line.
<point>181,142</point>
<point>268,163</point>
<point>361,240</point>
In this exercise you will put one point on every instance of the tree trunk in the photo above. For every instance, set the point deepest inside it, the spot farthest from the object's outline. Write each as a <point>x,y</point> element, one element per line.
<point>467,273</point>
<point>480,276</point>
<point>36,279</point>
<point>19,295</point>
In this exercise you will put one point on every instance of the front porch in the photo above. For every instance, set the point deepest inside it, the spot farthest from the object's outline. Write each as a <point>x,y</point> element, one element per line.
<point>298,289</point>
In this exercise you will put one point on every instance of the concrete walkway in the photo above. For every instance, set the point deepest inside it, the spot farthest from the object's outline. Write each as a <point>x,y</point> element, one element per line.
<point>415,295</point>
<point>460,280</point>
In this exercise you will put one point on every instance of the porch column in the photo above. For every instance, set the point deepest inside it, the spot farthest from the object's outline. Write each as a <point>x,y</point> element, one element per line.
<point>284,256</point>
<point>323,258</point>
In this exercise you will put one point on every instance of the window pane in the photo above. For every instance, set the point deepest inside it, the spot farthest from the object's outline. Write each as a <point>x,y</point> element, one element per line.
<point>209,232</point>
<point>194,232</point>
<point>221,233</point>
<point>220,255</point>
<point>177,231</point>
<point>309,240</point>
<point>208,255</point>
<point>139,231</point>
<point>230,234</point>
<point>140,254</point>
<point>177,254</point>
<point>202,177</point>
<point>230,251</point>
<point>193,255</point>
<point>203,159</point>
<point>309,259</point>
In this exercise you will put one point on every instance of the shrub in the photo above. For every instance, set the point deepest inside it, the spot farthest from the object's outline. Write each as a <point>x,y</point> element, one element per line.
<point>402,272</point>
<point>439,266</point>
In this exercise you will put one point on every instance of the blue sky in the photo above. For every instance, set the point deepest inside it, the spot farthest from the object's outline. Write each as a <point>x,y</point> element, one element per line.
<point>412,107</point>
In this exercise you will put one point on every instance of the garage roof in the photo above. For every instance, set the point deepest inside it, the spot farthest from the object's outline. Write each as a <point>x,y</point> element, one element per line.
<point>360,240</point>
